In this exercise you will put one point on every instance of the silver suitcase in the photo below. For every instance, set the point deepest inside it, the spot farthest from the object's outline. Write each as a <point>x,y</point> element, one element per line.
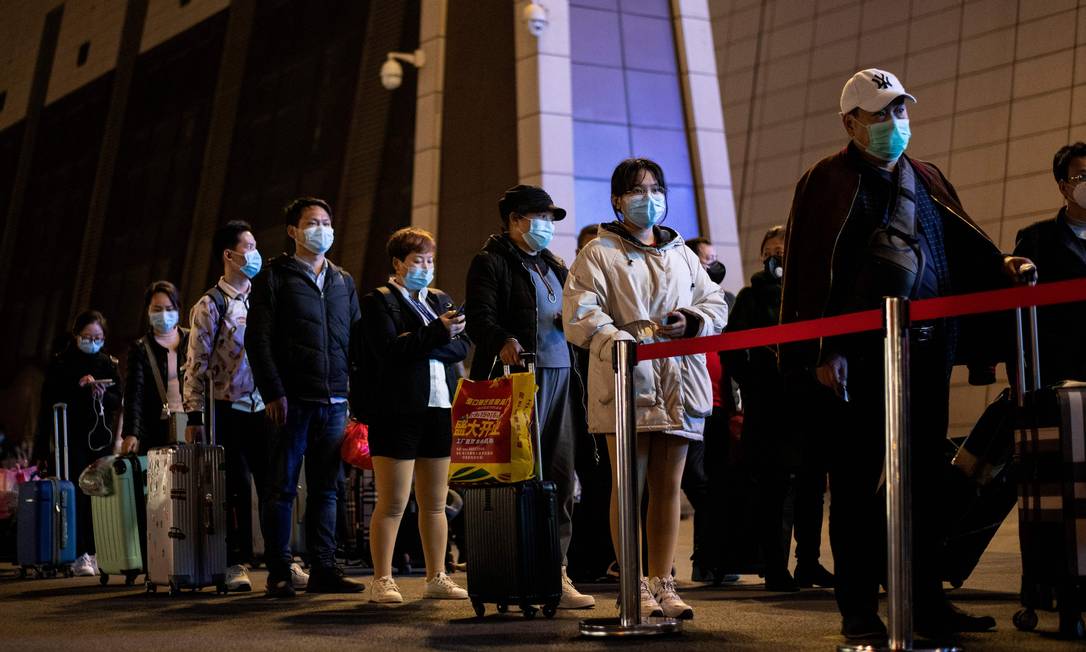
<point>186,516</point>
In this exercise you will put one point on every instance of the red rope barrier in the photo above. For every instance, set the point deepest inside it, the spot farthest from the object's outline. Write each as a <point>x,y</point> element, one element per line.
<point>1045,294</point>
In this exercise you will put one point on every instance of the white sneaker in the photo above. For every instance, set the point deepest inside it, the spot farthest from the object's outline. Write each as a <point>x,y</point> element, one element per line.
<point>384,590</point>
<point>572,598</point>
<point>649,607</point>
<point>85,566</point>
<point>237,579</point>
<point>441,587</point>
<point>299,579</point>
<point>94,564</point>
<point>663,589</point>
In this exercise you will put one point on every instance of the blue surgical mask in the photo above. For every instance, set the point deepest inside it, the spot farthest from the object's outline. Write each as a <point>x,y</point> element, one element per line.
<point>253,263</point>
<point>888,140</point>
<point>317,239</point>
<point>163,322</point>
<point>417,278</point>
<point>539,234</point>
<point>645,211</point>
<point>89,346</point>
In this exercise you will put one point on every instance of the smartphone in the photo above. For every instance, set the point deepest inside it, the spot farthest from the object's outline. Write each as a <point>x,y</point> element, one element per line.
<point>671,319</point>
<point>460,309</point>
<point>104,382</point>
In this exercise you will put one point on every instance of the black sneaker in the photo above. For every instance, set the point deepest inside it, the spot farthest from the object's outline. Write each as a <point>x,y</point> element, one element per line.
<point>332,580</point>
<point>947,619</point>
<point>279,588</point>
<point>864,627</point>
<point>780,583</point>
<point>811,575</point>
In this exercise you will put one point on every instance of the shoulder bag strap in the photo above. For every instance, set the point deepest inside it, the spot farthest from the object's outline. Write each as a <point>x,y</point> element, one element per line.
<point>153,362</point>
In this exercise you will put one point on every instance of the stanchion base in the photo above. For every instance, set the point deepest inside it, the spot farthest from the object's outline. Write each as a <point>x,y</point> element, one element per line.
<point>872,648</point>
<point>608,627</point>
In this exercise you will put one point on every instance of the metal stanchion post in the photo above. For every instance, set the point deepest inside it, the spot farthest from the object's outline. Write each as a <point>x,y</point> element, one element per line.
<point>629,621</point>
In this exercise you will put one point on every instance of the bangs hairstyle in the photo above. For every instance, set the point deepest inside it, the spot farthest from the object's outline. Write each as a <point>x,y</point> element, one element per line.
<point>165,287</point>
<point>628,173</point>
<point>88,317</point>
<point>227,236</point>
<point>1062,161</point>
<point>773,232</point>
<point>292,212</point>
<point>410,240</point>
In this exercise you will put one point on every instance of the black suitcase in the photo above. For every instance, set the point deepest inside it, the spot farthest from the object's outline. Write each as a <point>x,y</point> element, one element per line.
<point>513,555</point>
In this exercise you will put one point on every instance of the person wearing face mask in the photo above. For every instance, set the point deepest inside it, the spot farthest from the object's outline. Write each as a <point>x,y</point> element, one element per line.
<point>514,305</point>
<point>87,379</point>
<point>302,308</point>
<point>867,222</point>
<point>217,342</point>
<point>1058,246</point>
<point>638,281</point>
<point>409,349</point>
<point>153,406</point>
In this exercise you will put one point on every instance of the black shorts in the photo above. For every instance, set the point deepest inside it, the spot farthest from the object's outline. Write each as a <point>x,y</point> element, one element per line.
<point>406,437</point>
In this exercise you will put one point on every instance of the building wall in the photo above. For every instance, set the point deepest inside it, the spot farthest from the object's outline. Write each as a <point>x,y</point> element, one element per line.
<point>1000,86</point>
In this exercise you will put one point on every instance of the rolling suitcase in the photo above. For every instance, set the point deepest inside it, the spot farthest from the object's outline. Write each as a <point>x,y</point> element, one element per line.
<point>1051,452</point>
<point>46,514</point>
<point>513,555</point>
<point>186,515</point>
<point>120,521</point>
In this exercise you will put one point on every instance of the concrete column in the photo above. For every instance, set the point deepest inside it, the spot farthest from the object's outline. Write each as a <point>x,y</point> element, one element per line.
<point>705,133</point>
<point>545,114</point>
<point>425,190</point>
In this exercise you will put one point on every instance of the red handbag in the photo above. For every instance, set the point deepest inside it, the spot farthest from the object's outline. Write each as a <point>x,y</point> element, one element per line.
<point>355,449</point>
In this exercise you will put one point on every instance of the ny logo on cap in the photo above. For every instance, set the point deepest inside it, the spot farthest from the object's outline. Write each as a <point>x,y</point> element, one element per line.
<point>882,81</point>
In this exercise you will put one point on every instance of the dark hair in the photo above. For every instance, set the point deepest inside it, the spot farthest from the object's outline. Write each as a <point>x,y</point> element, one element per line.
<point>588,232</point>
<point>694,243</point>
<point>86,318</point>
<point>292,212</point>
<point>407,241</point>
<point>628,173</point>
<point>773,232</point>
<point>165,287</point>
<point>1062,161</point>
<point>227,236</point>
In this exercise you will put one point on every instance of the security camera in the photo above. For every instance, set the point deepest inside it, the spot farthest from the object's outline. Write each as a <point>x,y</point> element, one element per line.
<point>392,71</point>
<point>535,18</point>
<point>391,74</point>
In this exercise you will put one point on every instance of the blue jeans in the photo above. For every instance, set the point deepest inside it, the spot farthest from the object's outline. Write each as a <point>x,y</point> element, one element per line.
<point>313,432</point>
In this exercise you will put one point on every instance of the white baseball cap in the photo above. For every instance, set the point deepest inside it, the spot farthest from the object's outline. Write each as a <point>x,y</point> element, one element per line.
<point>871,90</point>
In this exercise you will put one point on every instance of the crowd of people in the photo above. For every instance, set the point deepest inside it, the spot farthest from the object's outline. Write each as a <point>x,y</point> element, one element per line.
<point>285,351</point>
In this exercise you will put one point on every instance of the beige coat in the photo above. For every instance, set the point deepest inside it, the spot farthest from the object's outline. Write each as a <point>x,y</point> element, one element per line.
<point>619,289</point>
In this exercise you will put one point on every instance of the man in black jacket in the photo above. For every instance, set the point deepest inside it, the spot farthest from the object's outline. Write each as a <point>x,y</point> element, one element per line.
<point>297,338</point>
<point>1058,246</point>
<point>514,305</point>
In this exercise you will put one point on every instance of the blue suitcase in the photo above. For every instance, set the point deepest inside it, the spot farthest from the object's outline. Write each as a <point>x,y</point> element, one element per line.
<point>46,516</point>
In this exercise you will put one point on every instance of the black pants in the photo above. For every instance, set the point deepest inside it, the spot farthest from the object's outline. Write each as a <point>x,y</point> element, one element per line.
<point>810,490</point>
<point>695,484</point>
<point>244,438</point>
<point>858,506</point>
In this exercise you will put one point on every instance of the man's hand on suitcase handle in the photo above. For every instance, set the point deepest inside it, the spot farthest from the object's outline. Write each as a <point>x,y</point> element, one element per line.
<point>1022,271</point>
<point>510,353</point>
<point>833,373</point>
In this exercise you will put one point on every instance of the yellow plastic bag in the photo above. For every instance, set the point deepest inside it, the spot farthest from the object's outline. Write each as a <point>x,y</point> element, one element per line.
<point>492,436</point>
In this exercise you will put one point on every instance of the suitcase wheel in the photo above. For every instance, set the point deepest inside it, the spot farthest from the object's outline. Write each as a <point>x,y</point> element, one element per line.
<point>502,607</point>
<point>68,572</point>
<point>38,573</point>
<point>22,572</point>
<point>479,608</point>
<point>174,590</point>
<point>103,579</point>
<point>1025,620</point>
<point>220,588</point>
<point>529,611</point>
<point>1072,627</point>
<point>130,579</point>
<point>151,587</point>
<point>549,610</point>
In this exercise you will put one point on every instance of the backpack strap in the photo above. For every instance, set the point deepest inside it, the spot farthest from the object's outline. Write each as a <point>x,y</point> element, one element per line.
<point>392,304</point>
<point>218,297</point>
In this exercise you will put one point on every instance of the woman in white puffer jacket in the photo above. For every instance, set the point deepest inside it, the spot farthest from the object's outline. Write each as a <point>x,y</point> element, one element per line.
<point>638,281</point>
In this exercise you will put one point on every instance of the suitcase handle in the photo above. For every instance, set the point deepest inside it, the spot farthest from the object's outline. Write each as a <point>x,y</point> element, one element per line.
<point>60,418</point>
<point>1022,384</point>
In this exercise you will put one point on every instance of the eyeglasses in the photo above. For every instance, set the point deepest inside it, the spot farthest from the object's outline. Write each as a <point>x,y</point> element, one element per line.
<point>1078,178</point>
<point>94,340</point>
<point>641,191</point>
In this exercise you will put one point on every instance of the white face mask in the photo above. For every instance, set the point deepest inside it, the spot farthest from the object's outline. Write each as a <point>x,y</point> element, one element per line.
<point>1079,194</point>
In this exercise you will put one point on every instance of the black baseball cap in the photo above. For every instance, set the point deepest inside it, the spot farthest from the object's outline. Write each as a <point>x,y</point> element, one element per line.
<point>528,199</point>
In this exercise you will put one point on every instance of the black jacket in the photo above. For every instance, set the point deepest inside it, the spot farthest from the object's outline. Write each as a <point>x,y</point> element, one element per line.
<point>62,386</point>
<point>298,335</point>
<point>501,302</point>
<point>392,353</point>
<point>142,402</point>
<point>1059,255</point>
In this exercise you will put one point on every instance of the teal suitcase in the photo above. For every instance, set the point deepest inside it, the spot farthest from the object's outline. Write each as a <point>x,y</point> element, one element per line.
<point>120,522</point>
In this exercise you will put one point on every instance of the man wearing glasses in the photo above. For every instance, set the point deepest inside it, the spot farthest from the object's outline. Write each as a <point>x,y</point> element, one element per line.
<point>1058,246</point>
<point>869,222</point>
